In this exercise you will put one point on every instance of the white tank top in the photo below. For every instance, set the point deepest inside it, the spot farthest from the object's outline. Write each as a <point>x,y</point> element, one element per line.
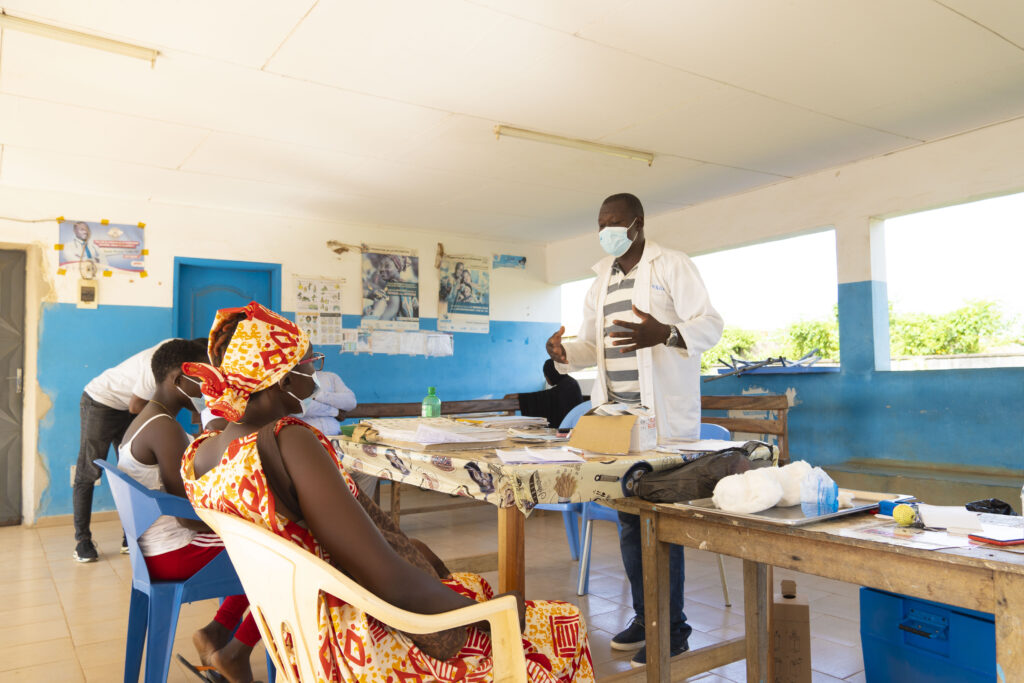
<point>166,534</point>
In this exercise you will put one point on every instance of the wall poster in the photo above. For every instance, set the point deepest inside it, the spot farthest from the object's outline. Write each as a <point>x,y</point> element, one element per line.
<point>391,288</point>
<point>318,309</point>
<point>96,246</point>
<point>464,294</point>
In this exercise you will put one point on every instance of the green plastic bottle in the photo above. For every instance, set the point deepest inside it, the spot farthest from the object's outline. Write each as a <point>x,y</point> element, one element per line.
<point>431,403</point>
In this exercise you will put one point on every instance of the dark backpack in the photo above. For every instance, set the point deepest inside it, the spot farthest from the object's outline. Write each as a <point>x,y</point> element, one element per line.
<point>697,479</point>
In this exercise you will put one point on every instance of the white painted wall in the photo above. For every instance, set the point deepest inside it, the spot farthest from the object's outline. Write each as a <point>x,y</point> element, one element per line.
<point>970,166</point>
<point>299,245</point>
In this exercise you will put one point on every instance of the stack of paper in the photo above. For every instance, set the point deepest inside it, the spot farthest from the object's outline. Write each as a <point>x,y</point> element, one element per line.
<point>433,430</point>
<point>506,421</point>
<point>620,409</point>
<point>538,435</point>
<point>531,456</point>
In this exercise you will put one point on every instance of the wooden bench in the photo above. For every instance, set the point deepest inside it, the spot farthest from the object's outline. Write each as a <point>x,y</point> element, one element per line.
<point>770,403</point>
<point>507,405</point>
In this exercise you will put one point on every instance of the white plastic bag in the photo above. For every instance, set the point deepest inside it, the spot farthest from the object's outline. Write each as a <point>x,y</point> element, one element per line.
<point>752,491</point>
<point>818,489</point>
<point>790,477</point>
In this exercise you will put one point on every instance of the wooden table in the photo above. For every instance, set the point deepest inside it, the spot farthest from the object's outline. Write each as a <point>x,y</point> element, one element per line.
<point>514,489</point>
<point>979,578</point>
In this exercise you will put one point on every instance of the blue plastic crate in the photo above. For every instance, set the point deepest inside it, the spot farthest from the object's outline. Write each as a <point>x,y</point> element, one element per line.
<point>917,641</point>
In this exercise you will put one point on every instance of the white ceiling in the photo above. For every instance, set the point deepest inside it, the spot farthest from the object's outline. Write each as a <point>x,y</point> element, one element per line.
<point>382,112</point>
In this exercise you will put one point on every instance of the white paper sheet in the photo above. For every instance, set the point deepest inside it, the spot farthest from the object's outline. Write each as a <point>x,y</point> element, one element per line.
<point>382,341</point>
<point>530,456</point>
<point>953,518</point>
<point>440,345</point>
<point>413,344</point>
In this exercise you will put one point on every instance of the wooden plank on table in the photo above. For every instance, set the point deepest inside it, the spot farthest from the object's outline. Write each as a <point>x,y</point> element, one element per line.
<point>762,402</point>
<point>843,559</point>
<point>755,614</point>
<point>511,551</point>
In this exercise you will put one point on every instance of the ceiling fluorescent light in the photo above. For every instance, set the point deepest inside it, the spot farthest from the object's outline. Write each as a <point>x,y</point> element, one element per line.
<point>78,38</point>
<point>574,143</point>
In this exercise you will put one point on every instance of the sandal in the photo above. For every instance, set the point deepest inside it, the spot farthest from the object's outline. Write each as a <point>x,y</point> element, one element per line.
<point>207,674</point>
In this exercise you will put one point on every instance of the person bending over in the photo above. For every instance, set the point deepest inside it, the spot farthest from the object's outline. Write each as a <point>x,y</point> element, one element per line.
<point>280,473</point>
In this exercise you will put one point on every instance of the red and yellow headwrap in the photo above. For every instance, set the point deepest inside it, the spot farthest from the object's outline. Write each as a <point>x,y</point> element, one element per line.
<point>263,349</point>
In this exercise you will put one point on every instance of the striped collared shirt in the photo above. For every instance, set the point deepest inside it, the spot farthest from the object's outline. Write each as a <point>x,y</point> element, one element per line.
<point>621,373</point>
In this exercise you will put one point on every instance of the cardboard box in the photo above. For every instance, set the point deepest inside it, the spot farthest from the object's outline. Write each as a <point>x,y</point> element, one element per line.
<point>790,636</point>
<point>632,432</point>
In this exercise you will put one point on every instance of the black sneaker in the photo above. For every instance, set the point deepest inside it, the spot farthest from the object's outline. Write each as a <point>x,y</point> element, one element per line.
<point>676,648</point>
<point>631,638</point>
<point>124,545</point>
<point>85,551</point>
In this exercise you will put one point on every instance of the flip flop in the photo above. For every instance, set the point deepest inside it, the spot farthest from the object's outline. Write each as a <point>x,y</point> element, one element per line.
<point>207,674</point>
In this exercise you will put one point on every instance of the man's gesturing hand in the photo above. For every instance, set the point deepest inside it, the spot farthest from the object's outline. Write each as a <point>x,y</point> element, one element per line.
<point>555,348</point>
<point>646,333</point>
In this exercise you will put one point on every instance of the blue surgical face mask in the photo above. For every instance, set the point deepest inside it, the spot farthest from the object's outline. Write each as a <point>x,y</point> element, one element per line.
<point>615,239</point>
<point>305,403</point>
<point>198,402</point>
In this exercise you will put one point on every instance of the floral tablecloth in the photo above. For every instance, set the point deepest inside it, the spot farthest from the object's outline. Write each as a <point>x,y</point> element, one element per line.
<point>480,474</point>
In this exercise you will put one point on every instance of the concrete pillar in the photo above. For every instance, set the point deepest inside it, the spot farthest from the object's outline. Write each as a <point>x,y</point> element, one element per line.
<point>863,296</point>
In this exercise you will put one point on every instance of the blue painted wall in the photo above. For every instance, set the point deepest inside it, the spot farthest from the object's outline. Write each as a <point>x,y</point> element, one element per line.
<point>78,344</point>
<point>959,417</point>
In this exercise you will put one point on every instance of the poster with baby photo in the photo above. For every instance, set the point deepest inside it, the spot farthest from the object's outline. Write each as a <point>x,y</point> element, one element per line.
<point>391,288</point>
<point>96,246</point>
<point>318,308</point>
<point>464,294</point>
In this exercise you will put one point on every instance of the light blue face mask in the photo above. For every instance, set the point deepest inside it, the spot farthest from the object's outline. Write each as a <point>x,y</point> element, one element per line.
<point>305,403</point>
<point>615,239</point>
<point>198,402</point>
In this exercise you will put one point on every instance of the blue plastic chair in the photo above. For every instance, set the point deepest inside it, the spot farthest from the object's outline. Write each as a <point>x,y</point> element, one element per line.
<point>570,511</point>
<point>595,512</point>
<point>153,610</point>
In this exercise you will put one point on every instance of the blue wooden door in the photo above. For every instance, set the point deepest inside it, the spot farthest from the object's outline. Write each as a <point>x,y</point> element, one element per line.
<point>204,287</point>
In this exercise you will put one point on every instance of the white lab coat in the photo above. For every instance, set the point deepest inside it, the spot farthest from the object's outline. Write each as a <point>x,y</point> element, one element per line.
<point>668,287</point>
<point>333,396</point>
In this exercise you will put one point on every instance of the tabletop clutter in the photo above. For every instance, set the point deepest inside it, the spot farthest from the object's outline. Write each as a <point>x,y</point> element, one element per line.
<point>733,477</point>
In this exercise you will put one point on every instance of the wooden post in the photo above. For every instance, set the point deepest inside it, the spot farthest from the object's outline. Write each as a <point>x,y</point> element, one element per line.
<point>396,501</point>
<point>1009,616</point>
<point>511,550</point>
<point>755,610</point>
<point>656,581</point>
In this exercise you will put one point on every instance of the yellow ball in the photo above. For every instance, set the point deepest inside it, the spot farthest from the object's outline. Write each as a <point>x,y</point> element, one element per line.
<point>904,514</point>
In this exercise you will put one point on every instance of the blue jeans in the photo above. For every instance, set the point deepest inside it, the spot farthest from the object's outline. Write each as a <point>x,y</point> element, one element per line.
<point>632,560</point>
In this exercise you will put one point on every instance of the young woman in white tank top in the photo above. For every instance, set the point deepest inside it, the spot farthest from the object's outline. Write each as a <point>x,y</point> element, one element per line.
<point>175,549</point>
<point>167,533</point>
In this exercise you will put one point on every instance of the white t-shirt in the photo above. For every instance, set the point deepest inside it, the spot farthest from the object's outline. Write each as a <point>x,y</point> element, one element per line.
<point>134,375</point>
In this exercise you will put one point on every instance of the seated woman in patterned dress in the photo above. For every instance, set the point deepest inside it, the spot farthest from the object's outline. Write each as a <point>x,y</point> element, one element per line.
<point>282,474</point>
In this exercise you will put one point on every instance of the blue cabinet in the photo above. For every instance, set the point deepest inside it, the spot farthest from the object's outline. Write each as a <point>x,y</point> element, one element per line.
<point>917,641</point>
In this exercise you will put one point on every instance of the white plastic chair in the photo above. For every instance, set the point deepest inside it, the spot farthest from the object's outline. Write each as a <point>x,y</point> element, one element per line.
<point>283,582</point>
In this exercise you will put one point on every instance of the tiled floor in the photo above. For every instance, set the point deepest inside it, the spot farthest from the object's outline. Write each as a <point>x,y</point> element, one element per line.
<point>62,621</point>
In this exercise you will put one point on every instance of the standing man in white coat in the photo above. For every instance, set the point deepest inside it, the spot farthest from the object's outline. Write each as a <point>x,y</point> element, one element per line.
<point>646,320</point>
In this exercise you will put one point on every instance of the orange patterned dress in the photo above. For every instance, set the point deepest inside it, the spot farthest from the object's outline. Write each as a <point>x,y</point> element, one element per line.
<point>353,645</point>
